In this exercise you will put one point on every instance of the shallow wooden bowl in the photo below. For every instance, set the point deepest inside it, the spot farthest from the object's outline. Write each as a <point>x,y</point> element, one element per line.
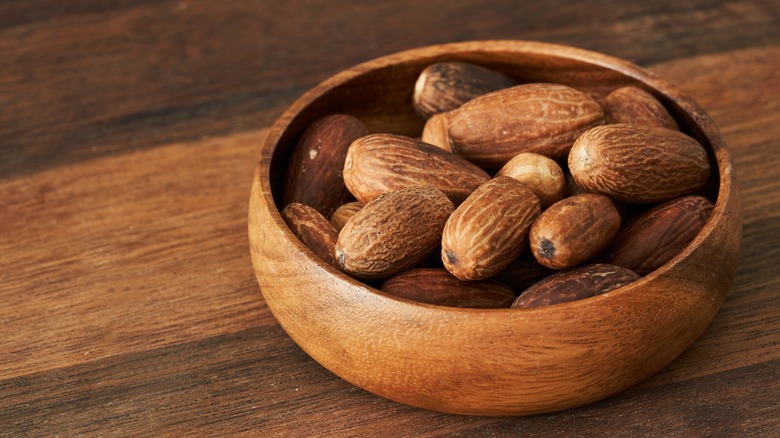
<point>495,361</point>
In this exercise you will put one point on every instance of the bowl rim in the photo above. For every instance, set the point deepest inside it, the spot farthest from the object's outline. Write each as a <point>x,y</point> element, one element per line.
<point>727,188</point>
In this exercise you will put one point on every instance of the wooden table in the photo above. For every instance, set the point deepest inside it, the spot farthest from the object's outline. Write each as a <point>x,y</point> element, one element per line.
<point>129,131</point>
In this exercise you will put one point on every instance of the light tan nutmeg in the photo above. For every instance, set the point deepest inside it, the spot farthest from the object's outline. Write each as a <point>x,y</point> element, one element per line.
<point>435,132</point>
<point>489,230</point>
<point>393,232</point>
<point>540,174</point>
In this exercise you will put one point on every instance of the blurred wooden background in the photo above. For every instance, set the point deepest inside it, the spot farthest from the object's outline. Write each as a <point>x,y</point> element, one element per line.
<point>129,131</point>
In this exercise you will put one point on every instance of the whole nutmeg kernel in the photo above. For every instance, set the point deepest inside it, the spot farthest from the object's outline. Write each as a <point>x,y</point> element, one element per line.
<point>575,284</point>
<point>489,230</point>
<point>437,286</point>
<point>574,230</point>
<point>540,174</point>
<point>311,228</point>
<point>392,233</point>
<point>640,164</point>
<point>447,85</point>
<point>314,176</point>
<point>380,163</point>
<point>543,118</point>
<point>654,237</point>
<point>638,107</point>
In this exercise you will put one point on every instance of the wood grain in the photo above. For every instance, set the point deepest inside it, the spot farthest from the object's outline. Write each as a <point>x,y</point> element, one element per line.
<point>129,306</point>
<point>127,253</point>
<point>96,78</point>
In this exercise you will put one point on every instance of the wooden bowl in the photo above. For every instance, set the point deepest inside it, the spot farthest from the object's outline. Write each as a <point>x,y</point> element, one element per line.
<point>493,361</point>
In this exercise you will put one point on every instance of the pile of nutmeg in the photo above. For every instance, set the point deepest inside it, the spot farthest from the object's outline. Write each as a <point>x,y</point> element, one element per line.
<point>585,195</point>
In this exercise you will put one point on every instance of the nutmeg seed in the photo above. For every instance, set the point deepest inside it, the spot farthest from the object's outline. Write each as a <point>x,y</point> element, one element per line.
<point>489,230</point>
<point>445,86</point>
<point>574,230</point>
<point>576,284</point>
<point>540,174</point>
<point>311,228</point>
<point>381,163</point>
<point>393,232</point>
<point>637,107</point>
<point>437,286</point>
<point>656,236</point>
<point>314,175</point>
<point>636,163</point>
<point>539,117</point>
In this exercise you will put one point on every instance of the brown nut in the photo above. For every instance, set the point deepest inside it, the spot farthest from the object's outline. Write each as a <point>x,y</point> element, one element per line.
<point>540,174</point>
<point>637,107</point>
<point>393,232</point>
<point>311,228</point>
<point>489,229</point>
<point>541,118</point>
<point>635,163</point>
<point>576,284</point>
<point>447,85</point>
<point>574,230</point>
<point>381,163</point>
<point>342,214</point>
<point>314,175</point>
<point>656,236</point>
<point>437,286</point>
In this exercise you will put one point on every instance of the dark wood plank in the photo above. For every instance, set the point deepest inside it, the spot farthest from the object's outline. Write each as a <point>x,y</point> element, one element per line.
<point>126,253</point>
<point>255,382</point>
<point>85,79</point>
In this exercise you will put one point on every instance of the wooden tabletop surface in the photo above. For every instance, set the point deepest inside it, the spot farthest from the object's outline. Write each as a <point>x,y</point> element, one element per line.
<point>129,131</point>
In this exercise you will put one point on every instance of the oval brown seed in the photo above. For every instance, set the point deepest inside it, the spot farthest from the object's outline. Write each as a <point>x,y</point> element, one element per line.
<point>311,228</point>
<point>314,175</point>
<point>574,230</point>
<point>656,236</point>
<point>435,132</point>
<point>393,232</point>
<point>437,286</point>
<point>637,107</point>
<point>541,118</point>
<point>576,284</point>
<point>489,230</point>
<point>380,163</point>
<point>635,163</point>
<point>445,86</point>
<point>344,213</point>
<point>540,174</point>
